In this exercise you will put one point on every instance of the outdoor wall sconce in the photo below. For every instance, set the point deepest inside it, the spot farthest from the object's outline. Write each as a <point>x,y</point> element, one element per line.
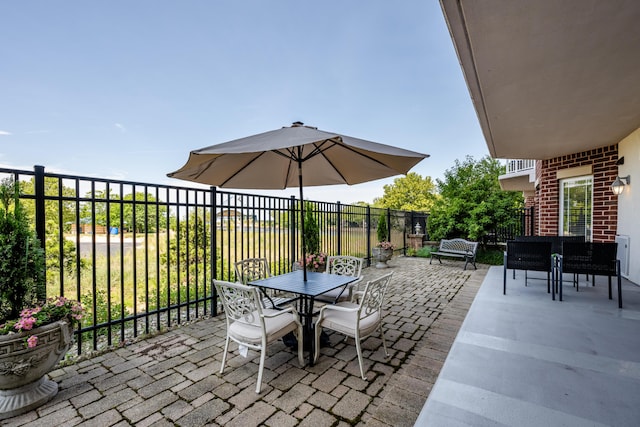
<point>618,185</point>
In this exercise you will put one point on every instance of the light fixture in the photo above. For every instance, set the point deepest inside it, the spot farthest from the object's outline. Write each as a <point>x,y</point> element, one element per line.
<point>618,185</point>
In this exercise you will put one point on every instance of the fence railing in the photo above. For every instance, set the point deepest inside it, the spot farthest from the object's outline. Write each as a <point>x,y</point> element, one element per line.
<point>524,227</point>
<point>142,257</point>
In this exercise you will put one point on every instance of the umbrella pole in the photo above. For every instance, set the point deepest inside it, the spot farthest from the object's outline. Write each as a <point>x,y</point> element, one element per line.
<point>304,256</point>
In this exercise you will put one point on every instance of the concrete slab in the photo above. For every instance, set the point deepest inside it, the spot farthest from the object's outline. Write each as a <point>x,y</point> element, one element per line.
<point>523,359</point>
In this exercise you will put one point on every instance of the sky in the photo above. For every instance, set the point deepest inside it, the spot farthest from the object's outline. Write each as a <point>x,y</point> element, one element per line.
<point>125,89</point>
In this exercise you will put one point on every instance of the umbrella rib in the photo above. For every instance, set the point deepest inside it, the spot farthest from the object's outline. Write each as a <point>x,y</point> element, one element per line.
<point>241,168</point>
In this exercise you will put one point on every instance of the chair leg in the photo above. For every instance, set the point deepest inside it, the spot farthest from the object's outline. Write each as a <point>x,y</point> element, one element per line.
<point>619,289</point>
<point>224,355</point>
<point>504,281</point>
<point>317,332</point>
<point>549,282</point>
<point>384,344</point>
<point>263,356</point>
<point>301,347</point>
<point>359,350</point>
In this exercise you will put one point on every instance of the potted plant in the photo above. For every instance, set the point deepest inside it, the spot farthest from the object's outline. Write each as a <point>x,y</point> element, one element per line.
<point>34,335</point>
<point>383,251</point>
<point>314,260</point>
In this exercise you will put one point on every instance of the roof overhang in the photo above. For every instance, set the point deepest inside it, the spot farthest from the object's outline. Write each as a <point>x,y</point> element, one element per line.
<point>548,77</point>
<point>523,181</point>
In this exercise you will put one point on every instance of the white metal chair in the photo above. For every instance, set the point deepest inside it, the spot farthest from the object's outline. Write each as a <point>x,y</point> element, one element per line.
<point>248,324</point>
<point>251,269</point>
<point>347,266</point>
<point>357,321</point>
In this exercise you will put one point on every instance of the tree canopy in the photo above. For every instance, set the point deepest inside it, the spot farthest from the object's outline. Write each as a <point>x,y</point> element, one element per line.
<point>472,204</point>
<point>409,193</point>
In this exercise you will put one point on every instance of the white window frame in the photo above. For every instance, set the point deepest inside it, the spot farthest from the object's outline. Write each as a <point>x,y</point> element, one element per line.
<point>574,181</point>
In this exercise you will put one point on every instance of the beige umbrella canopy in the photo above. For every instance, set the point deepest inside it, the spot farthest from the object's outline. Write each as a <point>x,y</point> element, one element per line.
<point>276,160</point>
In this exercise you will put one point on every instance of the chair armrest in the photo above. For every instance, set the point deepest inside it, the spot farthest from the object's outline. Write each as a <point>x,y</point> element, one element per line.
<point>337,308</point>
<point>355,295</point>
<point>290,309</point>
<point>277,313</point>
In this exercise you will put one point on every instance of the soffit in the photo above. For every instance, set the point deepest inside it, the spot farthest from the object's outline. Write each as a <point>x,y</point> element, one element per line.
<point>547,77</point>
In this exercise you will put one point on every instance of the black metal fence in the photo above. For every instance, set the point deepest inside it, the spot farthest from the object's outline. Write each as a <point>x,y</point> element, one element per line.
<point>525,226</point>
<point>142,257</point>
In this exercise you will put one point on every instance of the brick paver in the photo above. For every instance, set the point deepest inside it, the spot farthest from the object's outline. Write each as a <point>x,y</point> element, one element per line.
<point>173,379</point>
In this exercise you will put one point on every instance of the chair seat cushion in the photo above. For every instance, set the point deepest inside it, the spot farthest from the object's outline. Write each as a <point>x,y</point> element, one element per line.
<point>345,321</point>
<point>251,332</point>
<point>334,293</point>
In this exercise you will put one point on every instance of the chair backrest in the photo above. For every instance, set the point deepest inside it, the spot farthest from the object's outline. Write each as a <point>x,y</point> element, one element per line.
<point>534,256</point>
<point>373,296</point>
<point>241,302</point>
<point>345,265</point>
<point>556,241</point>
<point>252,269</point>
<point>597,258</point>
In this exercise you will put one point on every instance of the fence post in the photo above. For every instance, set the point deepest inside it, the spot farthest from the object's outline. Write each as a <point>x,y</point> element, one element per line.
<point>532,231</point>
<point>40,218</point>
<point>339,227</point>
<point>389,224</point>
<point>368,235</point>
<point>213,249</point>
<point>292,225</point>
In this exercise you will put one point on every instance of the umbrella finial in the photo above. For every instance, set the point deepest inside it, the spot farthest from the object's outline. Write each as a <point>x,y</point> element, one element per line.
<point>297,124</point>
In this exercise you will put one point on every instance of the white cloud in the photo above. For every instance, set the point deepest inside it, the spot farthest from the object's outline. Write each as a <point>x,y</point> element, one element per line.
<point>120,126</point>
<point>4,132</point>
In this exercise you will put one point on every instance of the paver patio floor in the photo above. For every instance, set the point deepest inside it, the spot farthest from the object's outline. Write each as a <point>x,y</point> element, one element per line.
<point>172,378</point>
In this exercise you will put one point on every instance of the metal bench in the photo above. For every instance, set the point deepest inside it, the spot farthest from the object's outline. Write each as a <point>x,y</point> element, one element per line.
<point>457,248</point>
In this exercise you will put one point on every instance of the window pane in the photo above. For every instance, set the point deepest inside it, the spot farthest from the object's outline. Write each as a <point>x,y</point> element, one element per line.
<point>576,208</point>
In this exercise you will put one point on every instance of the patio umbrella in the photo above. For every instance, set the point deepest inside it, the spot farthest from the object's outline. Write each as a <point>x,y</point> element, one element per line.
<point>275,159</point>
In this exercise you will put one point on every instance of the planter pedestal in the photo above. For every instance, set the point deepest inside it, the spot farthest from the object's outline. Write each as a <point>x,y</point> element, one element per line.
<point>23,382</point>
<point>23,399</point>
<point>382,256</point>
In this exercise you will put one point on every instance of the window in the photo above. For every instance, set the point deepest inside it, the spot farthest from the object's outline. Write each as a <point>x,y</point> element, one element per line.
<point>576,206</point>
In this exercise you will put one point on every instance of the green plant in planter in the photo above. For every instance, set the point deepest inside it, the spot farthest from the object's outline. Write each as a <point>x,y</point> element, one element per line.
<point>34,335</point>
<point>22,273</point>
<point>311,231</point>
<point>21,256</point>
<point>382,232</point>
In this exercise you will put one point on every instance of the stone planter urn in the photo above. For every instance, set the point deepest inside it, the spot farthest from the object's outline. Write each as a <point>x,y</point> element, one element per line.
<point>382,256</point>
<point>23,382</point>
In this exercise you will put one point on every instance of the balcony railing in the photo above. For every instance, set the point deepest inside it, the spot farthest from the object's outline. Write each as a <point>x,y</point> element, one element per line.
<point>520,165</point>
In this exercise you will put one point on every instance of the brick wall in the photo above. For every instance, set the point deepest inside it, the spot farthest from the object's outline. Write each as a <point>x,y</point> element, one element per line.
<point>605,205</point>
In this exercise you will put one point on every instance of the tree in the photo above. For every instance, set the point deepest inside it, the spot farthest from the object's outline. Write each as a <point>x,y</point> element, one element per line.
<point>472,203</point>
<point>409,193</point>
<point>58,220</point>
<point>100,208</point>
<point>143,217</point>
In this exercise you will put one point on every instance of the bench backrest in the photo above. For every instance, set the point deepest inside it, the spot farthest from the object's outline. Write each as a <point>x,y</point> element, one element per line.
<point>460,246</point>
